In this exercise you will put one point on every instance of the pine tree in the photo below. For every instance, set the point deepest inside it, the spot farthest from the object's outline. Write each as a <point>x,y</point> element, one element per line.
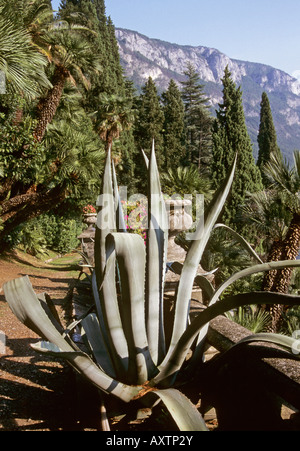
<point>198,121</point>
<point>267,139</point>
<point>173,109</point>
<point>231,138</point>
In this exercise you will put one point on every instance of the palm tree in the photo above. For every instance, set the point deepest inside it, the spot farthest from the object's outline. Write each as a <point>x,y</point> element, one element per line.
<point>286,181</point>
<point>186,180</point>
<point>20,61</point>
<point>71,55</point>
<point>115,115</point>
<point>74,161</point>
<point>266,212</point>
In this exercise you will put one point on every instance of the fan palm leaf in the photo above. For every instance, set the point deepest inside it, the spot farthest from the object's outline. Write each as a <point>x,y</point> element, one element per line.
<point>21,63</point>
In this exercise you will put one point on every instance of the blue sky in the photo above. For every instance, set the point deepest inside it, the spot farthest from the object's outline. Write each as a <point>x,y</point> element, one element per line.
<point>261,31</point>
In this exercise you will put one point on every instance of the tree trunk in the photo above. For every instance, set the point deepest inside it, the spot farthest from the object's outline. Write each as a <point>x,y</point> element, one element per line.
<point>28,206</point>
<point>273,256</point>
<point>279,281</point>
<point>291,246</point>
<point>47,107</point>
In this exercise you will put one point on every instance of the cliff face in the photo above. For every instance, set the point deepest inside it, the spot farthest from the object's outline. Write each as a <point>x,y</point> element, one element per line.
<point>142,57</point>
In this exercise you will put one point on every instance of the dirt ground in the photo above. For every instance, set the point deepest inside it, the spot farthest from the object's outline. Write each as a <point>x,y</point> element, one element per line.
<point>36,393</point>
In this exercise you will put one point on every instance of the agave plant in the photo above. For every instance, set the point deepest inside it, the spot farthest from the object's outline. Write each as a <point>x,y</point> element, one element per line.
<point>130,357</point>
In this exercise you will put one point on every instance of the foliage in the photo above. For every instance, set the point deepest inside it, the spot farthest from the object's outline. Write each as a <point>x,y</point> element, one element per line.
<point>198,121</point>
<point>285,179</point>
<point>230,138</point>
<point>173,128</point>
<point>267,139</point>
<point>252,318</point>
<point>49,147</point>
<point>186,180</point>
<point>136,216</point>
<point>22,64</point>
<point>149,123</point>
<point>22,157</point>
<point>45,233</point>
<point>126,333</point>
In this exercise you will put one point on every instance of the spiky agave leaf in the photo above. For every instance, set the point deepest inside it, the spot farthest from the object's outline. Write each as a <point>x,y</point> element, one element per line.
<point>192,261</point>
<point>157,242</point>
<point>29,310</point>
<point>184,413</point>
<point>198,326</point>
<point>107,299</point>
<point>129,251</point>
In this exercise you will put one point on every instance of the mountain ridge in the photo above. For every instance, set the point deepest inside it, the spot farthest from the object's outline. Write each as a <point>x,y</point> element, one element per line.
<point>141,57</point>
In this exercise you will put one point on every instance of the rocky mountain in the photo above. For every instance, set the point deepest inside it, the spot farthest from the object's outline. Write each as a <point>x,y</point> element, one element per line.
<point>142,57</point>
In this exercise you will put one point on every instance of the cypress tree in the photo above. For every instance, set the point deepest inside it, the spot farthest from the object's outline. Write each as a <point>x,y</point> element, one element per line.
<point>150,121</point>
<point>231,138</point>
<point>173,109</point>
<point>267,139</point>
<point>198,121</point>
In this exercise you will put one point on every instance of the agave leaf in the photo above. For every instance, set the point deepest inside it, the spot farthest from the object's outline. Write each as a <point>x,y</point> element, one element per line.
<point>26,306</point>
<point>120,222</point>
<point>253,270</point>
<point>241,240</point>
<point>205,285</point>
<point>106,223</point>
<point>183,411</point>
<point>98,305</point>
<point>201,321</point>
<point>244,273</point>
<point>31,311</point>
<point>200,280</point>
<point>85,366</point>
<point>50,310</point>
<point>146,159</point>
<point>193,259</point>
<point>93,336</point>
<point>157,242</point>
<point>289,343</point>
<point>131,257</point>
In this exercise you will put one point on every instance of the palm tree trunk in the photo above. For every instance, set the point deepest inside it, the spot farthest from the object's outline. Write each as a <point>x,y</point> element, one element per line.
<point>47,106</point>
<point>291,246</point>
<point>273,256</point>
<point>281,279</point>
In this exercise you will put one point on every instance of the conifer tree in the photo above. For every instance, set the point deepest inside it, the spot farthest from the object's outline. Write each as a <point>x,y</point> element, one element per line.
<point>150,121</point>
<point>267,139</point>
<point>198,121</point>
<point>231,138</point>
<point>173,126</point>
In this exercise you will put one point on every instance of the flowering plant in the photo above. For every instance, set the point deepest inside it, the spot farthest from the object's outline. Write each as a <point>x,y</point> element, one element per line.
<point>135,216</point>
<point>88,209</point>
